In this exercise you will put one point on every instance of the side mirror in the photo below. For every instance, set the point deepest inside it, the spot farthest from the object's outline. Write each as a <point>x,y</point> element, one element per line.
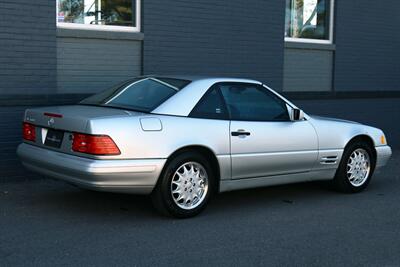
<point>297,115</point>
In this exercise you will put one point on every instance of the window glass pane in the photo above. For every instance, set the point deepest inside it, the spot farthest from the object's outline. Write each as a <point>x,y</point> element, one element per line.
<point>253,103</point>
<point>210,106</point>
<point>97,12</point>
<point>307,19</point>
<point>143,94</point>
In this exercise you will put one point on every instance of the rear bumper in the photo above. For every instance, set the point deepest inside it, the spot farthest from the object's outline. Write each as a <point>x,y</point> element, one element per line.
<point>128,176</point>
<point>383,154</point>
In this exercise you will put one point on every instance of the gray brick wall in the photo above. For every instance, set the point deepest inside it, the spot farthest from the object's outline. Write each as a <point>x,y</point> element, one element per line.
<point>307,70</point>
<point>10,136</point>
<point>367,45</point>
<point>89,61</point>
<point>215,37</point>
<point>27,46</point>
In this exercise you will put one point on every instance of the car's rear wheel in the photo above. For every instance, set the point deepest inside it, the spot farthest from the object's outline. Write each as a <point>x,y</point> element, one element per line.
<point>185,186</point>
<point>356,168</point>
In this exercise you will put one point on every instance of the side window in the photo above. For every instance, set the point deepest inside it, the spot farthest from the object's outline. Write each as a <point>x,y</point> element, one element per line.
<point>251,102</point>
<point>211,106</point>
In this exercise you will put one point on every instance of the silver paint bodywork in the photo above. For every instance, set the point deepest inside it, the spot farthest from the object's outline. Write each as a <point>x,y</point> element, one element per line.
<point>274,153</point>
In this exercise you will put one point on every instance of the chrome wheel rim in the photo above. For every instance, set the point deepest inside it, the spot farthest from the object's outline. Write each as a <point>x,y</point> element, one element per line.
<point>189,185</point>
<point>358,167</point>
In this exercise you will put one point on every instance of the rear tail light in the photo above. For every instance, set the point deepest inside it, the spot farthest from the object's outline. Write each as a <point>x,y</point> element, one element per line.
<point>94,144</point>
<point>28,132</point>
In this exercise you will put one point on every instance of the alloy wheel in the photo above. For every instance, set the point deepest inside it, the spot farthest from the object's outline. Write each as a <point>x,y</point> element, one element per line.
<point>358,167</point>
<point>189,185</point>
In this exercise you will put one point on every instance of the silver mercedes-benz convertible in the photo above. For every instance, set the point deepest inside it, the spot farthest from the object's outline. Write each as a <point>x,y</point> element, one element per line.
<point>182,139</point>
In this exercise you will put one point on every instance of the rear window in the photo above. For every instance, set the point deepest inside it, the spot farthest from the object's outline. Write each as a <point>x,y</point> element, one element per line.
<point>141,94</point>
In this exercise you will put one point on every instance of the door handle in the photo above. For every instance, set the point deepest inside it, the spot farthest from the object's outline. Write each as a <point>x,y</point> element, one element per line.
<point>240,133</point>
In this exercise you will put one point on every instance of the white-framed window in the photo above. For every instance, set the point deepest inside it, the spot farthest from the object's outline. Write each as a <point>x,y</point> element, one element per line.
<point>309,21</point>
<point>108,15</point>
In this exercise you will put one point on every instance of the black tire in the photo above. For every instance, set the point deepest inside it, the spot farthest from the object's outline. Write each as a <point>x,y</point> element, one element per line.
<point>341,181</point>
<point>162,197</point>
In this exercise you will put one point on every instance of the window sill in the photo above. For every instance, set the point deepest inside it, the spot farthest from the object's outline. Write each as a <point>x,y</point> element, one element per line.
<point>311,46</point>
<point>99,34</point>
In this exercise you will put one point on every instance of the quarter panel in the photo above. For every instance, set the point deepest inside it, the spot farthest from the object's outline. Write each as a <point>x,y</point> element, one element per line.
<point>179,132</point>
<point>176,132</point>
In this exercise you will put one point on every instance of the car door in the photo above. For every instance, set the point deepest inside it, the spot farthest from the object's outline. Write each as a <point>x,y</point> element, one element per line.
<point>264,141</point>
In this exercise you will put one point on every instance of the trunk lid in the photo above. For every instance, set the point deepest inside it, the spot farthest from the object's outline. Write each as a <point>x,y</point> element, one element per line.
<point>73,118</point>
<point>54,126</point>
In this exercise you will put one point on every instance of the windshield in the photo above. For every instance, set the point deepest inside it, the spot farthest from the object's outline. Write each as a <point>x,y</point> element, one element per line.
<point>141,94</point>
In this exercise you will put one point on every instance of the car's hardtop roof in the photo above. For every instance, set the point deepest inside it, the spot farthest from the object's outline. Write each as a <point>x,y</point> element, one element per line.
<point>193,78</point>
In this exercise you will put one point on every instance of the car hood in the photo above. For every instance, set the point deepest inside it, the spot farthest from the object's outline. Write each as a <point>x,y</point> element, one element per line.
<point>332,119</point>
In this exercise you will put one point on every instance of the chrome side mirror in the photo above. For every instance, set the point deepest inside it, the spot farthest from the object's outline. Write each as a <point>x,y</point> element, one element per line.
<point>297,114</point>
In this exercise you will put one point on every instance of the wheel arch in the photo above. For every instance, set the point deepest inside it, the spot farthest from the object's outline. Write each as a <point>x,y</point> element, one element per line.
<point>204,151</point>
<point>363,138</point>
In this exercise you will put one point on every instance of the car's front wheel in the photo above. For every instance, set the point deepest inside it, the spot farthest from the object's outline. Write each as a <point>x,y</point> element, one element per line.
<point>356,168</point>
<point>185,186</point>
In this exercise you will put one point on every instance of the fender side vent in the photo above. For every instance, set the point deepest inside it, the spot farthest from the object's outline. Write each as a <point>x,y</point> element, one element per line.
<point>329,160</point>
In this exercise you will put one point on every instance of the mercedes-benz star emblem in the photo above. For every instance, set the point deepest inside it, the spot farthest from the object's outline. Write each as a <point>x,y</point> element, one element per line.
<point>50,122</point>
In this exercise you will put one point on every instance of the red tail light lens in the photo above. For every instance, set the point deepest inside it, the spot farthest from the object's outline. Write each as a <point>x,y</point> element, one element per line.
<point>94,144</point>
<point>28,132</point>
